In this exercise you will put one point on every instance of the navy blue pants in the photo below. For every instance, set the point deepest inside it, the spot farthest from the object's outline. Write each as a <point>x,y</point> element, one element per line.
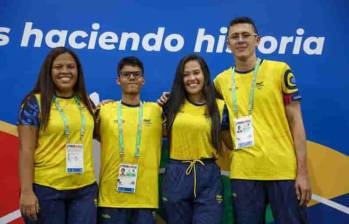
<point>250,198</point>
<point>78,206</point>
<point>181,205</point>
<point>126,215</point>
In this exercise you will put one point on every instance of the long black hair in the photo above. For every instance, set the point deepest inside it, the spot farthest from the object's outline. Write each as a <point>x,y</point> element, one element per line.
<point>178,96</point>
<point>47,89</point>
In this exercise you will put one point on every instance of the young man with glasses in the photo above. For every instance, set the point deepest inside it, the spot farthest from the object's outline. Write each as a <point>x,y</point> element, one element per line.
<point>269,161</point>
<point>130,134</point>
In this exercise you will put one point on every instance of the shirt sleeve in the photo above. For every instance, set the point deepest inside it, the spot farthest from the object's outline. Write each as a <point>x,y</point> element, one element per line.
<point>289,88</point>
<point>29,112</point>
<point>225,118</point>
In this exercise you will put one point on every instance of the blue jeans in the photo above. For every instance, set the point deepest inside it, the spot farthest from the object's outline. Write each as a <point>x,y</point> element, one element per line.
<point>78,206</point>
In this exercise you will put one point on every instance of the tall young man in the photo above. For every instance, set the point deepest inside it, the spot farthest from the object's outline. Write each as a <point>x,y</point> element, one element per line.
<point>130,133</point>
<point>269,160</point>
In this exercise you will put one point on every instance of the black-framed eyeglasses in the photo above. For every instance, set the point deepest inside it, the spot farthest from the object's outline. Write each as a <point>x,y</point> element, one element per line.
<point>243,36</point>
<point>126,74</point>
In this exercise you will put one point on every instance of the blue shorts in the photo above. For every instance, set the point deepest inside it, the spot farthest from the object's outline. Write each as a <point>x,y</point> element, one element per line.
<point>78,206</point>
<point>250,198</point>
<point>126,215</point>
<point>180,204</point>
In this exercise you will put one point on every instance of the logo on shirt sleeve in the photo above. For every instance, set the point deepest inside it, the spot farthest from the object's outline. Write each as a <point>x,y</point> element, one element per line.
<point>290,80</point>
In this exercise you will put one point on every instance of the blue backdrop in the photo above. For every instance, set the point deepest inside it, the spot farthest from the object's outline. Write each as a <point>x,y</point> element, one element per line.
<point>311,36</point>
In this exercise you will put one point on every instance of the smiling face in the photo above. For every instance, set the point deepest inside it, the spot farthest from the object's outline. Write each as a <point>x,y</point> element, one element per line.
<point>193,79</point>
<point>130,79</point>
<point>64,74</point>
<point>242,41</point>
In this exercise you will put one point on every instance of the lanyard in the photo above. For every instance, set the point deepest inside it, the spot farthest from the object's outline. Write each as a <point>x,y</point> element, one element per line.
<point>253,85</point>
<point>65,119</point>
<point>121,133</point>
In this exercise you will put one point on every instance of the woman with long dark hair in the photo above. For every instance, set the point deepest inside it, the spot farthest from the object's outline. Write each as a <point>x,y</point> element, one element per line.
<point>55,127</point>
<point>192,189</point>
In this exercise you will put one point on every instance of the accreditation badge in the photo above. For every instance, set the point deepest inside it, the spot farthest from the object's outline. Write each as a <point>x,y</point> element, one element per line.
<point>244,132</point>
<point>127,178</point>
<point>75,158</point>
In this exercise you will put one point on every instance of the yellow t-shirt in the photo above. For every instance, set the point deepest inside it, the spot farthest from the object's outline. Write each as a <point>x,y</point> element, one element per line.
<point>50,153</point>
<point>191,133</point>
<point>146,195</point>
<point>273,156</point>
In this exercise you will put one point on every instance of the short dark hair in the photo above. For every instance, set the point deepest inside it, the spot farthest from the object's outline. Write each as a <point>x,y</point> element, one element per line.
<point>130,60</point>
<point>243,19</point>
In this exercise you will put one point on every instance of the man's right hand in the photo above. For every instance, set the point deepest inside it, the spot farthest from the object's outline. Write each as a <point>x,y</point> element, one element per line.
<point>163,98</point>
<point>105,102</point>
<point>29,205</point>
